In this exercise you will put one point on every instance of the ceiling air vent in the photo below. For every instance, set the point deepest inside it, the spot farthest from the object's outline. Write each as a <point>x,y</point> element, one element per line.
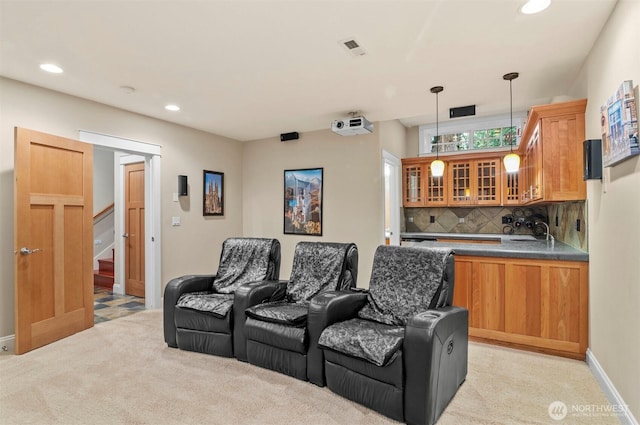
<point>353,47</point>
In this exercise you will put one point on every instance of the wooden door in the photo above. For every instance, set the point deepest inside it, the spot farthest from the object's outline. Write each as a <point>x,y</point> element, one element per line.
<point>463,284</point>
<point>562,160</point>
<point>134,229</point>
<point>436,195</point>
<point>53,260</point>
<point>511,186</point>
<point>460,183</point>
<point>487,294</point>
<point>413,185</point>
<point>534,190</point>
<point>487,187</point>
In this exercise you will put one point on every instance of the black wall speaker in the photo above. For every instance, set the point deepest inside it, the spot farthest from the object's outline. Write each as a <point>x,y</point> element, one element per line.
<point>183,186</point>
<point>284,137</point>
<point>592,156</point>
<point>462,111</point>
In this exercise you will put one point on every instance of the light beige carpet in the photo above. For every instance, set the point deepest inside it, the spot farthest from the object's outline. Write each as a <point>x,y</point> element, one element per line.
<point>122,372</point>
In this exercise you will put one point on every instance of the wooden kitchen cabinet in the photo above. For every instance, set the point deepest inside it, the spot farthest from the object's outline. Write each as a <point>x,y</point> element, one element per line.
<point>476,182</point>
<point>419,187</point>
<point>532,189</point>
<point>436,195</point>
<point>413,185</point>
<point>539,305</point>
<point>511,187</point>
<point>552,150</point>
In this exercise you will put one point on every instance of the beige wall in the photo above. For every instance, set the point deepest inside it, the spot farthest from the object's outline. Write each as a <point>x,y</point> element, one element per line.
<point>102,180</point>
<point>614,234</point>
<point>413,141</point>
<point>393,138</point>
<point>352,191</point>
<point>193,247</point>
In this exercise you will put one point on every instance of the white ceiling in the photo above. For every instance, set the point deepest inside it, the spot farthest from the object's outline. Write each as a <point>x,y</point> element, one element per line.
<point>254,69</point>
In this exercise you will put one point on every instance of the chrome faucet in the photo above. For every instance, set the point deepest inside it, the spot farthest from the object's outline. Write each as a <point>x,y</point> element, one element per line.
<point>548,235</point>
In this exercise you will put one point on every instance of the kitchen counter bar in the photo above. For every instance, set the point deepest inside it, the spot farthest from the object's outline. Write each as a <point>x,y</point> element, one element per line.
<point>509,246</point>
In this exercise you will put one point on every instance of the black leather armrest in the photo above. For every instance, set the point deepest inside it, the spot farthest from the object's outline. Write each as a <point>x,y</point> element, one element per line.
<point>335,306</point>
<point>435,355</point>
<point>324,310</point>
<point>174,289</point>
<point>246,296</point>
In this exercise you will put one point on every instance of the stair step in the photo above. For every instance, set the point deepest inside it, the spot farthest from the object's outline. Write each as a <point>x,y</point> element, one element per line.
<point>104,280</point>
<point>105,265</point>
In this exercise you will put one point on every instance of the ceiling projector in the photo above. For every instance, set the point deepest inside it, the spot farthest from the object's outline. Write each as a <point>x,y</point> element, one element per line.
<point>352,126</point>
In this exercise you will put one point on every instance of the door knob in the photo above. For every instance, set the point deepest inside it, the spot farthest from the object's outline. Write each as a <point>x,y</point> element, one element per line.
<point>26,251</point>
<point>125,235</point>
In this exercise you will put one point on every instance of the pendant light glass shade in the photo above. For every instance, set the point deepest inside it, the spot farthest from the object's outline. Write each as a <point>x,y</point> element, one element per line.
<point>512,159</point>
<point>512,162</point>
<point>437,166</point>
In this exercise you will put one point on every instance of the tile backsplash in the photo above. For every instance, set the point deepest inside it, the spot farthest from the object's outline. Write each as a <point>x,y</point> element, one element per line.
<point>489,220</point>
<point>567,215</point>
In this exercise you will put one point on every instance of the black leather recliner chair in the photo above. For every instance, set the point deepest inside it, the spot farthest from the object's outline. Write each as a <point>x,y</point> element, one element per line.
<point>279,335</point>
<point>199,310</point>
<point>401,349</point>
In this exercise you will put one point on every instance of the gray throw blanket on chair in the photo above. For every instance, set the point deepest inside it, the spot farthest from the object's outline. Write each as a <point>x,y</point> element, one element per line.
<point>243,260</point>
<point>404,281</point>
<point>317,267</point>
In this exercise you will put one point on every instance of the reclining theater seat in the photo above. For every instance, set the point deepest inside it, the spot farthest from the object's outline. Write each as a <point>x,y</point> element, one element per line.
<point>278,337</point>
<point>404,353</point>
<point>198,310</point>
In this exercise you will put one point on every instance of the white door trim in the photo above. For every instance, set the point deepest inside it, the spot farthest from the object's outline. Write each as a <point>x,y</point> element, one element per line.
<point>394,195</point>
<point>151,155</point>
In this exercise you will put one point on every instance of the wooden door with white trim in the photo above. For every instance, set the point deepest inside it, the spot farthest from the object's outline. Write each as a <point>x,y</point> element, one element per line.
<point>134,229</point>
<point>53,250</point>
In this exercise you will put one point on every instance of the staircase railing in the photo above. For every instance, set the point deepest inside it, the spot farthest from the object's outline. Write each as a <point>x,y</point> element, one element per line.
<point>103,213</point>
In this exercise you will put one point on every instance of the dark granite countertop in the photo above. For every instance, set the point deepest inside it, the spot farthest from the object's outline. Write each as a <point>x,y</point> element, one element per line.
<point>510,246</point>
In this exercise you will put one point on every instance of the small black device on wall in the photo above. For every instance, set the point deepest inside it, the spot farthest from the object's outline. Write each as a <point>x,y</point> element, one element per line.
<point>183,186</point>
<point>462,111</point>
<point>284,137</point>
<point>592,156</point>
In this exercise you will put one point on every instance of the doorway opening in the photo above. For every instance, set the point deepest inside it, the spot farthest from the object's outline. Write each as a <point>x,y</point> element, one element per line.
<point>125,152</point>
<point>391,173</point>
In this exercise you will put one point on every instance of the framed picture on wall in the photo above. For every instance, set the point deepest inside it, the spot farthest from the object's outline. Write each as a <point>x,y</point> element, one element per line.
<point>213,193</point>
<point>303,201</point>
<point>619,125</point>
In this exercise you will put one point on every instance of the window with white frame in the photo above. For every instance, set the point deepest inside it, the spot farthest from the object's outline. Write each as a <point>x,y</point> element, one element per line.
<point>484,133</point>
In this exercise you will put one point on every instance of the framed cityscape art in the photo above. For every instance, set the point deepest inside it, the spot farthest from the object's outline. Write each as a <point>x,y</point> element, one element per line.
<point>619,126</point>
<point>213,193</point>
<point>303,201</point>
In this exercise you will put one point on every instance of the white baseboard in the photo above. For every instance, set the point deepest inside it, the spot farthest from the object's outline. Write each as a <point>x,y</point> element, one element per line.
<point>117,289</point>
<point>609,389</point>
<point>8,344</point>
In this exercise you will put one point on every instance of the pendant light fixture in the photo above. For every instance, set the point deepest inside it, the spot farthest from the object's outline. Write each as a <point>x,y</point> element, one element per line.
<point>437,166</point>
<point>512,159</point>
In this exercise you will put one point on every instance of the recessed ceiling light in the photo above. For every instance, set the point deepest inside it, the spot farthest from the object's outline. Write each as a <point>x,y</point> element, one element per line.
<point>535,6</point>
<point>172,108</point>
<point>49,67</point>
